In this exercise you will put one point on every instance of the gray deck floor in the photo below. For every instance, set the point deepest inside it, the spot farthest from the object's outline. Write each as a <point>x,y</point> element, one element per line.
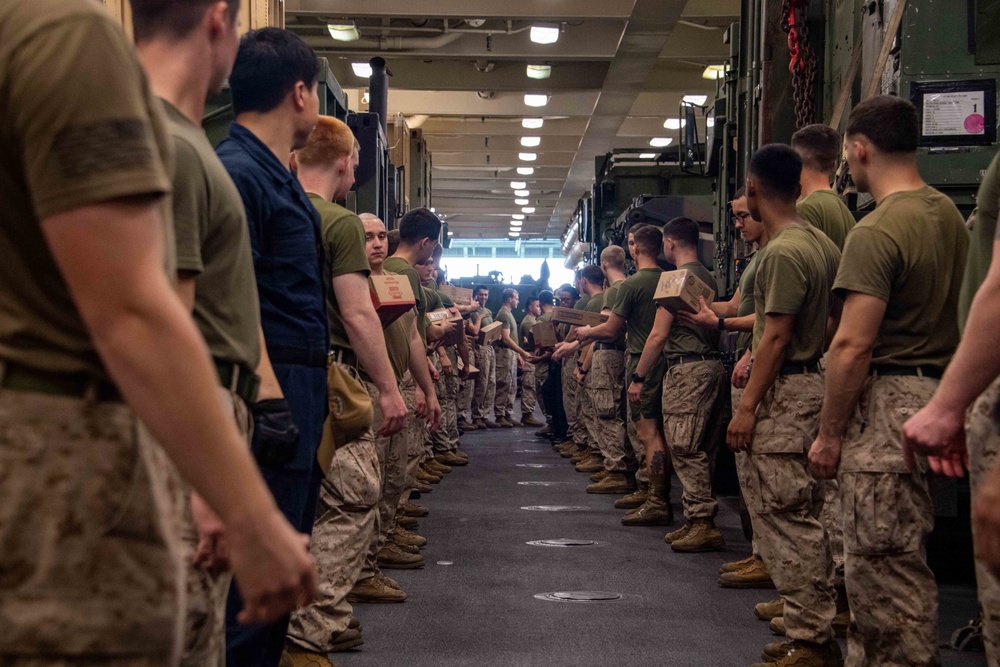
<point>474,603</point>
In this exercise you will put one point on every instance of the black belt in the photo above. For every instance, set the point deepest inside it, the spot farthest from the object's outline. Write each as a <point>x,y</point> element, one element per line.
<point>799,368</point>
<point>608,346</point>
<point>917,371</point>
<point>297,356</point>
<point>677,359</point>
<point>344,356</point>
<point>79,385</point>
<point>238,379</point>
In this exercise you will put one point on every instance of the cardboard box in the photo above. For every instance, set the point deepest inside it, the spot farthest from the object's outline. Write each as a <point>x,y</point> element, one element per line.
<point>544,334</point>
<point>460,295</point>
<point>438,316</point>
<point>490,333</point>
<point>392,297</point>
<point>455,336</point>
<point>577,317</point>
<point>680,289</point>
<point>473,371</point>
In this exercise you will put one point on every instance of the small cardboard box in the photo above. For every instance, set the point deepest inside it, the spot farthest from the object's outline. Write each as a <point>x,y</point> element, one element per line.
<point>460,295</point>
<point>680,289</point>
<point>544,334</point>
<point>455,336</point>
<point>473,371</point>
<point>577,317</point>
<point>392,297</point>
<point>490,333</point>
<point>438,316</point>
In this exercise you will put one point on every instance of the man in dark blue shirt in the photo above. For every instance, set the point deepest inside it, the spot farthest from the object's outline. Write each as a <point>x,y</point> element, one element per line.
<point>275,100</point>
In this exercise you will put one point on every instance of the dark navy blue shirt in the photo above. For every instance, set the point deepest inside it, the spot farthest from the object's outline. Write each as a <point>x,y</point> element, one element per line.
<point>286,240</point>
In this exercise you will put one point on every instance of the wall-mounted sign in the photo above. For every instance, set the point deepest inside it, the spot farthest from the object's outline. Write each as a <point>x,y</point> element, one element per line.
<point>956,113</point>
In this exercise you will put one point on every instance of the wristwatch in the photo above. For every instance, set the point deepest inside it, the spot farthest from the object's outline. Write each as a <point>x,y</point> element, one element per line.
<point>637,379</point>
<point>722,324</point>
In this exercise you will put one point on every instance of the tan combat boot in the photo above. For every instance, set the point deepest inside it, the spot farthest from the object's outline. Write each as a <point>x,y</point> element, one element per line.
<point>387,581</point>
<point>590,463</point>
<point>422,487</point>
<point>529,420</point>
<point>656,511</point>
<point>737,565</point>
<point>488,424</point>
<point>413,509</point>
<point>297,657</point>
<point>407,522</point>
<point>635,499</point>
<point>677,534</point>
<point>402,536</point>
<point>580,455</point>
<point>505,422</point>
<point>754,575</point>
<point>371,590</point>
<point>344,641</point>
<point>703,536</point>
<point>391,557</point>
<point>452,459</point>
<point>599,475</point>
<point>805,654</point>
<point>613,482</point>
<point>767,611</point>
<point>437,467</point>
<point>426,476</point>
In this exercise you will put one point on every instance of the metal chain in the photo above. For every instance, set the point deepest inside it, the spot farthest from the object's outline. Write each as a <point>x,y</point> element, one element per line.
<point>802,61</point>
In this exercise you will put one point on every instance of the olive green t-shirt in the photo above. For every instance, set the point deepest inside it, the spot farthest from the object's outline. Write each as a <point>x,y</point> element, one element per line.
<point>827,212</point>
<point>397,342</point>
<point>486,320</point>
<point>434,301</point>
<point>446,300</point>
<point>746,304</point>
<point>984,229</point>
<point>402,267</point>
<point>344,253</point>
<point>507,321</point>
<point>910,252</point>
<point>610,299</point>
<point>527,322</point>
<point>635,305</point>
<point>688,338</point>
<point>78,126</point>
<point>795,273</point>
<point>213,245</point>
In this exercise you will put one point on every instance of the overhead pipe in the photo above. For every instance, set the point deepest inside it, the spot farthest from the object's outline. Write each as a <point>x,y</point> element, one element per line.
<point>378,92</point>
<point>387,43</point>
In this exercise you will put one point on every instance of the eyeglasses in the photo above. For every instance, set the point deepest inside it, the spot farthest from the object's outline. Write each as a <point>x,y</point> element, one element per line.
<point>740,217</point>
<point>565,298</point>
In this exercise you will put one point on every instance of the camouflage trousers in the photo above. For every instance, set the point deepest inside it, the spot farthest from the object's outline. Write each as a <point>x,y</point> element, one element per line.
<point>89,526</point>
<point>743,476</point>
<point>571,403</point>
<point>585,401</point>
<point>205,621</point>
<point>689,394</point>
<point>414,430</point>
<point>606,382</point>
<point>786,501</point>
<point>541,375</point>
<point>529,397</point>
<point>506,360</point>
<point>888,516</point>
<point>466,390</point>
<point>345,522</point>
<point>984,445</point>
<point>486,383</point>
<point>392,466</point>
<point>445,439</point>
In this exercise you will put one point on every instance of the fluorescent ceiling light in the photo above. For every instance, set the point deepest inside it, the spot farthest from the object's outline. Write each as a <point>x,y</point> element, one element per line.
<point>513,234</point>
<point>713,72</point>
<point>528,209</point>
<point>660,142</point>
<point>525,171</point>
<point>518,185</point>
<point>522,202</point>
<point>518,216</point>
<point>710,121</point>
<point>343,32</point>
<point>539,71</point>
<point>364,70</point>
<point>531,142</point>
<point>451,233</point>
<point>521,193</point>
<point>536,99</point>
<point>647,156</point>
<point>674,123</point>
<point>527,157</point>
<point>532,123</point>
<point>697,100</point>
<point>544,34</point>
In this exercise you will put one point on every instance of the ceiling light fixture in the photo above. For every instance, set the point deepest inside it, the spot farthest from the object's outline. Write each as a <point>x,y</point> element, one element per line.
<point>697,100</point>
<point>710,121</point>
<point>674,123</point>
<point>518,216</point>
<point>532,123</point>
<point>531,142</point>
<point>521,193</point>
<point>518,185</point>
<point>522,202</point>
<point>647,156</point>
<point>527,157</point>
<point>544,34</point>
<point>660,142</point>
<point>343,32</point>
<point>713,72</point>
<point>536,99</point>
<point>539,71</point>
<point>528,209</point>
<point>525,171</point>
<point>364,70</point>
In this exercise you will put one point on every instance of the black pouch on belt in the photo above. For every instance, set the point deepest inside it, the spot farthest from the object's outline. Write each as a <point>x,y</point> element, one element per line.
<point>275,436</point>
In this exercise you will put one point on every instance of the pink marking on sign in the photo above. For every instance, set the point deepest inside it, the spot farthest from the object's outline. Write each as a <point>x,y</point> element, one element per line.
<point>975,124</point>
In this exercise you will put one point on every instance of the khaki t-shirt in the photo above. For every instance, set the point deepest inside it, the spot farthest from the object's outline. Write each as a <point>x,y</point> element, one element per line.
<point>635,304</point>
<point>910,252</point>
<point>795,273</point>
<point>78,126</point>
<point>984,229</point>
<point>688,338</point>
<point>403,268</point>
<point>825,211</point>
<point>213,244</point>
<point>344,253</point>
<point>746,304</point>
<point>611,296</point>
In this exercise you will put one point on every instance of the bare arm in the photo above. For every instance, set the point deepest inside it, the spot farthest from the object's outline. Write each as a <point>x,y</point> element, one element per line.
<point>708,316</point>
<point>605,332</point>
<point>656,340</point>
<point>510,344</point>
<point>474,324</point>
<point>431,409</point>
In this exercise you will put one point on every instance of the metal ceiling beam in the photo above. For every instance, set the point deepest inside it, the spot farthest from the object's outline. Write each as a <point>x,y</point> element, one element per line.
<point>565,10</point>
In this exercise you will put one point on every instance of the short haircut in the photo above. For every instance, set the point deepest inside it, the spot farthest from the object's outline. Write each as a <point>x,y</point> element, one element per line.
<point>419,224</point>
<point>614,257</point>
<point>370,217</point>
<point>269,64</point>
<point>480,288</point>
<point>572,290</point>
<point>683,230</point>
<point>508,294</point>
<point>332,140</point>
<point>648,239</point>
<point>438,252</point>
<point>776,169</point>
<point>593,274</point>
<point>545,297</point>
<point>890,123</point>
<point>173,19</point>
<point>740,193</point>
<point>393,240</point>
<point>442,276</point>
<point>530,300</point>
<point>819,146</point>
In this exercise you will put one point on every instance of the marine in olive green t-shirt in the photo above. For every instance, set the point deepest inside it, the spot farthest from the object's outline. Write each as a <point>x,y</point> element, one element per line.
<point>795,273</point>
<point>827,212</point>
<point>910,252</point>
<point>402,267</point>
<point>527,322</point>
<point>688,338</point>
<point>984,229</point>
<point>610,299</point>
<point>746,305</point>
<point>79,127</point>
<point>635,305</point>
<point>507,321</point>
<point>344,253</point>
<point>213,246</point>
<point>397,343</point>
